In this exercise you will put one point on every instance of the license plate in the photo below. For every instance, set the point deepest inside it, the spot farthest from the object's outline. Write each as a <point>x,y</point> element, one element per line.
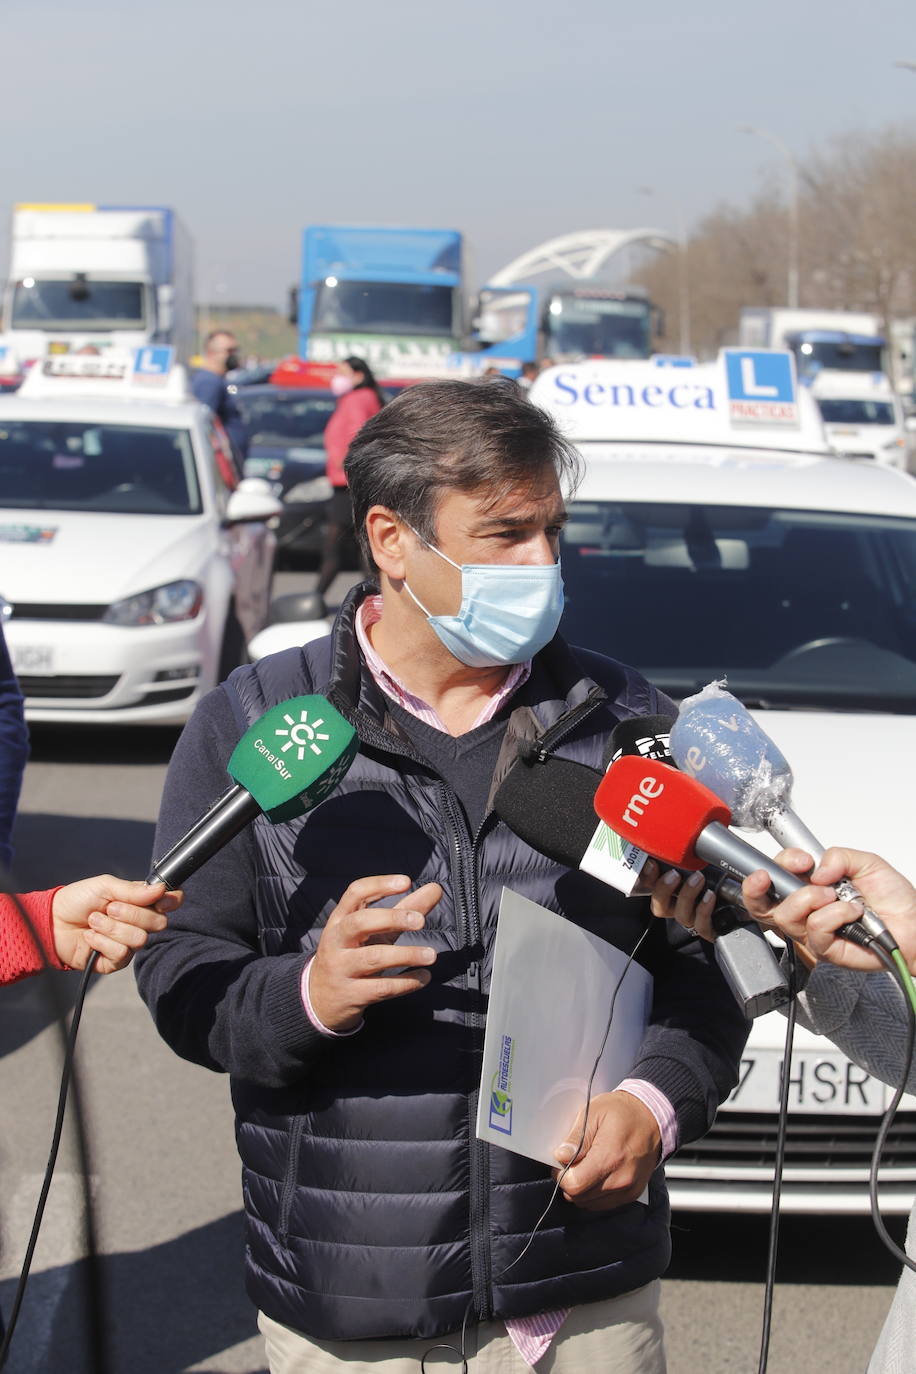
<point>33,660</point>
<point>819,1081</point>
<point>263,467</point>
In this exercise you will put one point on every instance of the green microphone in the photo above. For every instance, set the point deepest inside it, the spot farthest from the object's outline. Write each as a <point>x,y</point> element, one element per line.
<point>287,762</point>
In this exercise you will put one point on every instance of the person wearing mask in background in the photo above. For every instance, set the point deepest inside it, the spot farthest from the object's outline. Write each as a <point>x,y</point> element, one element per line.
<point>14,748</point>
<point>112,916</point>
<point>209,385</point>
<point>358,399</point>
<point>840,997</point>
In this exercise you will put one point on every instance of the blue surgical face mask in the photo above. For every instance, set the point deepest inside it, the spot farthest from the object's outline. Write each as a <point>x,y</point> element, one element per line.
<point>508,611</point>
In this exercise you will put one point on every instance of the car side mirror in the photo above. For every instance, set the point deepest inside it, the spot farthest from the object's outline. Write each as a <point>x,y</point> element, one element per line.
<point>251,500</point>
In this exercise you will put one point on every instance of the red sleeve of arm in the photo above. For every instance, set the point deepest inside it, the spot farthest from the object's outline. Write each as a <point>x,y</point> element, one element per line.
<point>19,955</point>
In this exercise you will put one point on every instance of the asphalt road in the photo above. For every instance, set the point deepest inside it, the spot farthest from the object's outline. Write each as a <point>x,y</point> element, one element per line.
<point>165,1176</point>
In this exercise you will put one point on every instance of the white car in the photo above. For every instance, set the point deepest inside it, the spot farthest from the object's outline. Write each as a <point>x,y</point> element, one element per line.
<point>863,417</point>
<point>795,579</point>
<point>746,552</point>
<point>136,564</point>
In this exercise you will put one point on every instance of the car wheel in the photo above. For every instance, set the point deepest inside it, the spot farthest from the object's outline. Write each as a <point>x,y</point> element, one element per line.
<point>235,648</point>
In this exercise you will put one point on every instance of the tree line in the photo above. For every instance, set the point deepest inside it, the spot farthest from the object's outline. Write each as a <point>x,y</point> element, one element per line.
<point>856,243</point>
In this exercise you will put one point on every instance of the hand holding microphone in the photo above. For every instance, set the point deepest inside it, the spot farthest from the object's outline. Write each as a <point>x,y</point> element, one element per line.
<point>681,821</point>
<point>814,915</point>
<point>109,916</point>
<point>717,740</point>
<point>287,762</point>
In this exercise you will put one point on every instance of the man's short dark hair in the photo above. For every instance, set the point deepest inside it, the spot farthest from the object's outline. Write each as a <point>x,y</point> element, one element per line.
<point>452,436</point>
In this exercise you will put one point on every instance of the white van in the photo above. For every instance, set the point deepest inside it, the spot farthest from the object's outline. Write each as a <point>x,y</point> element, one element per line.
<point>863,417</point>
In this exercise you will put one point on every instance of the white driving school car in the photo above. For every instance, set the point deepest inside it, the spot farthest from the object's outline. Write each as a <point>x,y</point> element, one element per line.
<point>746,553</point>
<point>136,564</point>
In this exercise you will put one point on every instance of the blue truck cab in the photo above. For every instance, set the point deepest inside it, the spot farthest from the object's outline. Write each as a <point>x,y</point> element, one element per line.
<point>524,323</point>
<point>392,296</point>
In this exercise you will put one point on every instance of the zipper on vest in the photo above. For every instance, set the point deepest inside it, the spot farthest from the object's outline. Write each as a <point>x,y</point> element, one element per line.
<point>566,724</point>
<point>468,912</point>
<point>289,1180</point>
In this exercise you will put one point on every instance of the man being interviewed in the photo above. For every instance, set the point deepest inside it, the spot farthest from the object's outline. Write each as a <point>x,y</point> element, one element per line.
<point>350,1008</point>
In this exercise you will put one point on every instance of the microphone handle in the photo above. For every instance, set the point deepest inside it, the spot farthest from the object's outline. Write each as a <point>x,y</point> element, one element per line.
<point>719,845</point>
<point>788,829</point>
<point>225,819</point>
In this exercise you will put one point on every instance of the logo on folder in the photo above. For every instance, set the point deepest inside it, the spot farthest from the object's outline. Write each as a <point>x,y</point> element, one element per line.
<point>500,1100</point>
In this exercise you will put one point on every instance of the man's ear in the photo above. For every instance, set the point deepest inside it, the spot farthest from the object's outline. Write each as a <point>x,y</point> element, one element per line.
<point>387,536</point>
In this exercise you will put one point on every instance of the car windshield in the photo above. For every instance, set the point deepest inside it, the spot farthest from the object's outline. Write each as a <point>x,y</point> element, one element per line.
<point>842,356</point>
<point>66,465</point>
<point>577,327</point>
<point>286,419</point>
<point>795,608</point>
<point>857,412</point>
<point>78,304</point>
<point>380,307</point>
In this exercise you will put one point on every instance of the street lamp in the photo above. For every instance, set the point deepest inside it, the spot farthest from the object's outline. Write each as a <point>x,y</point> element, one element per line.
<point>789,156</point>
<point>683,283</point>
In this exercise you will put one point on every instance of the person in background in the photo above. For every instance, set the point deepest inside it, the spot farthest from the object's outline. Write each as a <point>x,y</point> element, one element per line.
<point>528,375</point>
<point>840,997</point>
<point>14,748</point>
<point>209,386</point>
<point>112,916</point>
<point>358,399</point>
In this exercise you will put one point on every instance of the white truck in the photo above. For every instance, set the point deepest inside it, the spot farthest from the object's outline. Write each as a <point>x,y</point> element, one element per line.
<point>97,277</point>
<point>847,340</point>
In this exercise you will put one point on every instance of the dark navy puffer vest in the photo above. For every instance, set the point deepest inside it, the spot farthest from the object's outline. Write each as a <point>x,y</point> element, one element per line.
<point>372,1208</point>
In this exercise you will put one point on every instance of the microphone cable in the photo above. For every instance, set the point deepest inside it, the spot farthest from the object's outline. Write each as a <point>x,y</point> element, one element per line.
<point>69,1077</point>
<point>461,1351</point>
<point>782,1125</point>
<point>895,964</point>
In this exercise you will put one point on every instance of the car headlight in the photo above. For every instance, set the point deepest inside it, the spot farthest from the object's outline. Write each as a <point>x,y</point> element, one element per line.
<point>159,606</point>
<point>318,489</point>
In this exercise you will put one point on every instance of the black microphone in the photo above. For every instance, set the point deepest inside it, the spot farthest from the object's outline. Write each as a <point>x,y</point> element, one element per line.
<point>549,803</point>
<point>288,761</point>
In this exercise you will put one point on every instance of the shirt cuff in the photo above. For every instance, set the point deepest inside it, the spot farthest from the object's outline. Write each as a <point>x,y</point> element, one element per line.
<point>310,1010</point>
<point>659,1106</point>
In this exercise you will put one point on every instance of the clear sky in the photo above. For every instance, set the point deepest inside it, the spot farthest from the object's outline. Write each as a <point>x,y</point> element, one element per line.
<point>510,121</point>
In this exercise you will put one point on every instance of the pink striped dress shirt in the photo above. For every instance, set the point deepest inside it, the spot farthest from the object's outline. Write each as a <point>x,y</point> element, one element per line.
<point>531,1336</point>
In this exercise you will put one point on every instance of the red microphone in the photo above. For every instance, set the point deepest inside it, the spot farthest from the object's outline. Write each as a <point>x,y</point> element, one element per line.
<point>679,821</point>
